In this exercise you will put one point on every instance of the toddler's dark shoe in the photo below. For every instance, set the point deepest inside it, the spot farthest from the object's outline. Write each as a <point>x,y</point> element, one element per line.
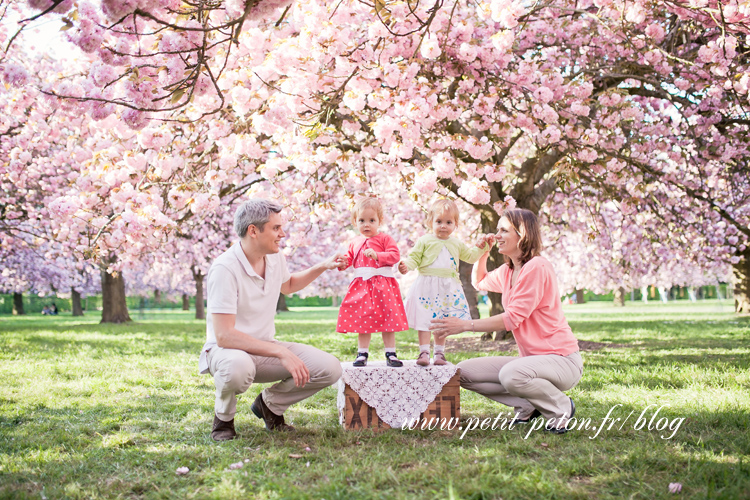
<point>392,360</point>
<point>361,359</point>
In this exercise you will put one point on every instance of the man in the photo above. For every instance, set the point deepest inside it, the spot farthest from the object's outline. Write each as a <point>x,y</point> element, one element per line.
<point>243,288</point>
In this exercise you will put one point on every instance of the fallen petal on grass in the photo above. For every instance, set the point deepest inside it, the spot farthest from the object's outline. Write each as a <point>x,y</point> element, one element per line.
<point>237,465</point>
<point>181,471</point>
<point>675,487</point>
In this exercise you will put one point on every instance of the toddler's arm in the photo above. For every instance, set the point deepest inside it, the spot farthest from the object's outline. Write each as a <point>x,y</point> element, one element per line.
<point>346,259</point>
<point>414,259</point>
<point>472,254</point>
<point>390,254</point>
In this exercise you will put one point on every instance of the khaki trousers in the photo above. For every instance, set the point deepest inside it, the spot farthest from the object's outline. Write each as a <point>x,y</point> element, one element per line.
<point>526,382</point>
<point>235,370</point>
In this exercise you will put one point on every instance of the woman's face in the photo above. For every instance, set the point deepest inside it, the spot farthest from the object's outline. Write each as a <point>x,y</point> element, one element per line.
<point>507,238</point>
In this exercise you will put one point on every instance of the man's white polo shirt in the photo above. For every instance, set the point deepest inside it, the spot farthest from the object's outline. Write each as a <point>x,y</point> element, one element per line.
<point>235,288</point>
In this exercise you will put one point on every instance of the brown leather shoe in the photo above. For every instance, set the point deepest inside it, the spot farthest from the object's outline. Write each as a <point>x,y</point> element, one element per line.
<point>223,431</point>
<point>273,422</point>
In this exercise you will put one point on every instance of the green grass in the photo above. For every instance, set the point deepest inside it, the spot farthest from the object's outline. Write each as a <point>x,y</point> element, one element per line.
<point>111,411</point>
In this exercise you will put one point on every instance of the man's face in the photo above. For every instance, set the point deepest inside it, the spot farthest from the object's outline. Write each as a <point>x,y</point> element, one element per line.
<point>270,238</point>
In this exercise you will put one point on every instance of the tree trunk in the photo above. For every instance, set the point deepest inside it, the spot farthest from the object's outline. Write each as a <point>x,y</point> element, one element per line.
<point>335,301</point>
<point>281,303</point>
<point>75,299</point>
<point>157,297</point>
<point>200,310</point>
<point>464,271</point>
<point>114,306</point>
<point>489,220</point>
<point>185,302</point>
<point>18,304</point>
<point>742,283</point>
<point>580,299</point>
<point>620,297</point>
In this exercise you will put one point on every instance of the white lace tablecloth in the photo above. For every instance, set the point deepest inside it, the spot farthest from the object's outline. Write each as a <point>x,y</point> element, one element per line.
<point>398,395</point>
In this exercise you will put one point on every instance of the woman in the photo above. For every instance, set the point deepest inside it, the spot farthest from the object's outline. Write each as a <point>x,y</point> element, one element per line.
<point>549,361</point>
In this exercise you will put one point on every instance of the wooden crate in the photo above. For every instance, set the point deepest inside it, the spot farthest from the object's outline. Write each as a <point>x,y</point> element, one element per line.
<point>445,406</point>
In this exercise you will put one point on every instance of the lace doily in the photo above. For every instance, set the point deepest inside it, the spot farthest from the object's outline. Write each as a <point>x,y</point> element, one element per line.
<point>398,395</point>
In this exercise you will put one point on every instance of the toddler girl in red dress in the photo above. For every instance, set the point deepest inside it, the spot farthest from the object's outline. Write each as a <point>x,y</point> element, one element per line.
<point>373,301</point>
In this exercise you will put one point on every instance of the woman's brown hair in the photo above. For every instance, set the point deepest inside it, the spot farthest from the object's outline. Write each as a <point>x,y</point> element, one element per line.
<point>526,224</point>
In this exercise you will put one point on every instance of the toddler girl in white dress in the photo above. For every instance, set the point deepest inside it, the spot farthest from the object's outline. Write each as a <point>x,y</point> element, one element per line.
<point>437,291</point>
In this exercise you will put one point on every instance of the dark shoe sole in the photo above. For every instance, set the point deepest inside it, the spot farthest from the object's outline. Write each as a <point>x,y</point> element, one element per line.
<point>563,430</point>
<point>534,414</point>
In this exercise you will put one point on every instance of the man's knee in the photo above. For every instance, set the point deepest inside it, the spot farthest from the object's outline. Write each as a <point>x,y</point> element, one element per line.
<point>327,368</point>
<point>236,372</point>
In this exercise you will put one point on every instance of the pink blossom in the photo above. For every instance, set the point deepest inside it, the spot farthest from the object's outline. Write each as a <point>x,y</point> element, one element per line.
<point>425,182</point>
<point>475,191</point>
<point>430,48</point>
<point>502,40</point>
<point>13,74</point>
<point>543,95</point>
<point>675,487</point>
<point>655,32</point>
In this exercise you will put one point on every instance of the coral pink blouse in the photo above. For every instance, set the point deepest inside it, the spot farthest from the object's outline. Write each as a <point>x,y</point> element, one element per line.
<point>533,311</point>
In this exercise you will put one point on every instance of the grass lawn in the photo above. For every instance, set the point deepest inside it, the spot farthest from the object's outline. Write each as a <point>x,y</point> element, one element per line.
<point>111,411</point>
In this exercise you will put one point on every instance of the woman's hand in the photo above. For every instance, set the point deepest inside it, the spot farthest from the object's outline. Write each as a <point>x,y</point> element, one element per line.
<point>370,253</point>
<point>444,327</point>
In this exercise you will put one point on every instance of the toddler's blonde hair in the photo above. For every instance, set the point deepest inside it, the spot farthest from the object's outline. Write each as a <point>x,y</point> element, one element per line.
<point>367,202</point>
<point>441,207</point>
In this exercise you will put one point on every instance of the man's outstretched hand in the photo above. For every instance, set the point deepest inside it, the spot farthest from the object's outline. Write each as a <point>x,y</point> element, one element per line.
<point>337,261</point>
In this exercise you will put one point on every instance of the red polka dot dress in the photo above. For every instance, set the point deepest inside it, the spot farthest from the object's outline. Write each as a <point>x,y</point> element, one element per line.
<point>372,304</point>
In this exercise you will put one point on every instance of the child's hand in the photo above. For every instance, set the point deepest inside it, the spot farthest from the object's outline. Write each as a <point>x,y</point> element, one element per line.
<point>485,239</point>
<point>402,267</point>
<point>370,253</point>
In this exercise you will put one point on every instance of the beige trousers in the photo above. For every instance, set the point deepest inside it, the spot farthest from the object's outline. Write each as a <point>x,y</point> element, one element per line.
<point>235,370</point>
<point>526,382</point>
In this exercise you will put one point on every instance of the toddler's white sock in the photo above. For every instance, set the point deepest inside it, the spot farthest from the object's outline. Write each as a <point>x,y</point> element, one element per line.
<point>440,348</point>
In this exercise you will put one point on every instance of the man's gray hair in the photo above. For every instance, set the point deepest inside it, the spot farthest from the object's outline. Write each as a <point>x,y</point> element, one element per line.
<point>255,212</point>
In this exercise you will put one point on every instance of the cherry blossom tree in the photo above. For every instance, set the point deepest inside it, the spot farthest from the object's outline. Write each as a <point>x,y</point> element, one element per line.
<point>638,102</point>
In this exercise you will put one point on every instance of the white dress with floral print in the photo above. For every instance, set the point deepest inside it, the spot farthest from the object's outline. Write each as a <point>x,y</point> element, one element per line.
<point>433,297</point>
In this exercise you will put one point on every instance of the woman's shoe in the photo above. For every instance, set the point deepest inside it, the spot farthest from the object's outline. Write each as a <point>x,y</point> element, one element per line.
<point>563,430</point>
<point>534,414</point>
<point>424,358</point>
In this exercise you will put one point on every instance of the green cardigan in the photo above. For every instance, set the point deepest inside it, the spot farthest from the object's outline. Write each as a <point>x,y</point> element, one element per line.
<point>428,248</point>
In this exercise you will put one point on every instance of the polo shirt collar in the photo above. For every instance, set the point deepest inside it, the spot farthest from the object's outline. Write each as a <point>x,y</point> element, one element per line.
<point>237,249</point>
